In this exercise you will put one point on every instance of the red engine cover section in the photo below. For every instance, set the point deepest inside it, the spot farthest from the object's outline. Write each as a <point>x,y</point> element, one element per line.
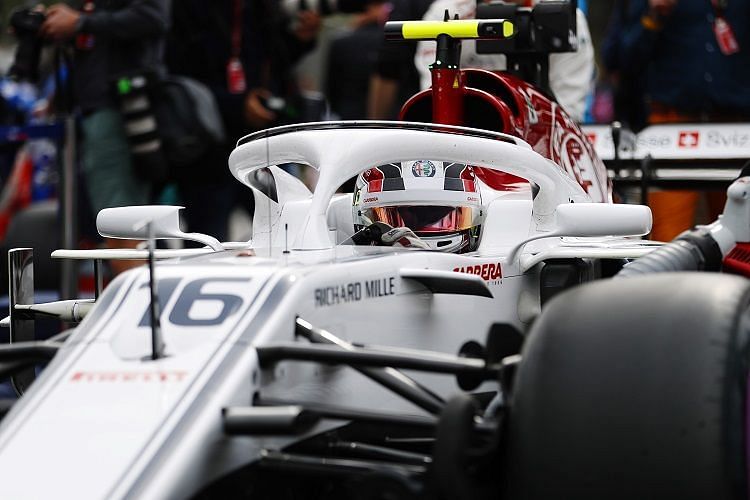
<point>503,103</point>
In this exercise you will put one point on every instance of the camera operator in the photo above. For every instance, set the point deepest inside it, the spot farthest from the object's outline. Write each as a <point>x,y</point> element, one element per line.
<point>110,39</point>
<point>570,73</point>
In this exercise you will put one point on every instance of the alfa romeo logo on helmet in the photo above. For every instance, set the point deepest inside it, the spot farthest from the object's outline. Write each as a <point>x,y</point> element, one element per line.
<point>423,168</point>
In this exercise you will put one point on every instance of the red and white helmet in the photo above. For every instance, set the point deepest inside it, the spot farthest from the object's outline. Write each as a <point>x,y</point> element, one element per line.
<point>439,201</point>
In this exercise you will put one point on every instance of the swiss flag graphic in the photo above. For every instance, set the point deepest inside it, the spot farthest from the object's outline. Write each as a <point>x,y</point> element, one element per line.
<point>688,139</point>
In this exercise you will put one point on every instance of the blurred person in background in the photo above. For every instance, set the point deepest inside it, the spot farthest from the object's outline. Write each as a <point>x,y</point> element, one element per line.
<point>570,74</point>
<point>627,82</point>
<point>352,59</point>
<point>694,58</point>
<point>110,38</point>
<point>395,78</point>
<point>244,51</point>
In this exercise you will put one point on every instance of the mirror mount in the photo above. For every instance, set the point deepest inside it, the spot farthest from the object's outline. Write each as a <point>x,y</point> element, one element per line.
<point>593,220</point>
<point>131,223</point>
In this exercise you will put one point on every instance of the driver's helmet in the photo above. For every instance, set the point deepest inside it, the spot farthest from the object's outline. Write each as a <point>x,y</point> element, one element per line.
<point>439,201</point>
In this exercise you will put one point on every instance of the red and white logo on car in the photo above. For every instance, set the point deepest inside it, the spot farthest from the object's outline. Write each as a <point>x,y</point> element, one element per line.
<point>489,272</point>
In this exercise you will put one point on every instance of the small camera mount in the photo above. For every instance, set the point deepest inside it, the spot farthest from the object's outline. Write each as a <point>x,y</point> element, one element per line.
<point>547,28</point>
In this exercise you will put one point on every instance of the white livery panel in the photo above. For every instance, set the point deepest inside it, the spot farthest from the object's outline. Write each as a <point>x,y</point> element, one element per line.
<point>102,402</point>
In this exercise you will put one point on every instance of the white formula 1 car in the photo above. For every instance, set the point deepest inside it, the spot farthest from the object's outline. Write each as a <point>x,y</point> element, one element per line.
<point>244,329</point>
<point>341,354</point>
<point>301,365</point>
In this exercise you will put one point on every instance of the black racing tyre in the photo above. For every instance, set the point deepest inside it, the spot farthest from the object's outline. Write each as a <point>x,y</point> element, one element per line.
<point>634,389</point>
<point>36,226</point>
<point>452,449</point>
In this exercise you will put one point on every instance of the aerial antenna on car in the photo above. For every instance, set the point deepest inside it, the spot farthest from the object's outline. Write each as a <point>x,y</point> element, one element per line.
<point>157,342</point>
<point>268,204</point>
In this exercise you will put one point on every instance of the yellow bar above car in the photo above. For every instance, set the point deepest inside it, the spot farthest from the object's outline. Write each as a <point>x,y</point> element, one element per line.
<point>490,29</point>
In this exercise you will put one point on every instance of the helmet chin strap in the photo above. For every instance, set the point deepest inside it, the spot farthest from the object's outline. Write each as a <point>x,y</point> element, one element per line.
<point>449,243</point>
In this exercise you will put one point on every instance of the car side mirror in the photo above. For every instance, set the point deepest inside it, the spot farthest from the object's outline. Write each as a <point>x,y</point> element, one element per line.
<point>602,219</point>
<point>131,223</point>
<point>594,220</point>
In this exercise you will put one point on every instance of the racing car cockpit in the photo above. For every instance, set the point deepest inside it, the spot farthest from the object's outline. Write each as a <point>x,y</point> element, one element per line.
<point>442,182</point>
